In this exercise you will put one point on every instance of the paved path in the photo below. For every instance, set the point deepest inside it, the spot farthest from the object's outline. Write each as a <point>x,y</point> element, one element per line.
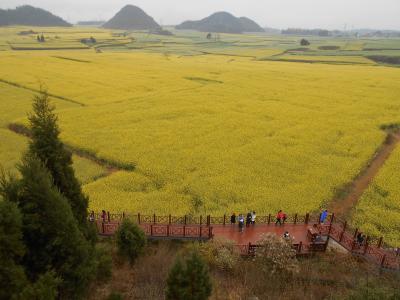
<point>252,234</point>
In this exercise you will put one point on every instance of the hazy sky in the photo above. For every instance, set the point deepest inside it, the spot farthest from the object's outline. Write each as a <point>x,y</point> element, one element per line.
<point>330,14</point>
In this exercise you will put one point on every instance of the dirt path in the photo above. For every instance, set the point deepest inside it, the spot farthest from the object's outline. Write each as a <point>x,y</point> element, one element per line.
<point>343,206</point>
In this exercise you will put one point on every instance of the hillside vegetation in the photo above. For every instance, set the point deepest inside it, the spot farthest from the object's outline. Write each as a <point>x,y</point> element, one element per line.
<point>132,18</point>
<point>32,16</point>
<point>222,22</point>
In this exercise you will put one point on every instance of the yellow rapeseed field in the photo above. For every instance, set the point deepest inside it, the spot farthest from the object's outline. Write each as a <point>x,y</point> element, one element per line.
<point>210,134</point>
<point>378,212</point>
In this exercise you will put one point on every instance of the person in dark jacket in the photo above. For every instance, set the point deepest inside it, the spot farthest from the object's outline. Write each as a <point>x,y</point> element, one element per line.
<point>233,219</point>
<point>248,219</point>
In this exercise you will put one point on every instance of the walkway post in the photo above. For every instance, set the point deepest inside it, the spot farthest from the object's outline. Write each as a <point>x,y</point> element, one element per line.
<point>380,242</point>
<point>224,220</point>
<point>343,231</point>
<point>295,219</point>
<point>138,217</point>
<point>366,245</point>
<point>355,233</point>
<point>383,261</point>
<point>123,215</point>
<point>108,216</point>
<point>307,218</point>
<point>300,246</point>
<point>151,229</point>
<point>154,218</point>
<point>332,217</point>
<point>167,230</point>
<point>269,219</point>
<point>169,219</point>
<point>201,220</point>
<point>185,219</point>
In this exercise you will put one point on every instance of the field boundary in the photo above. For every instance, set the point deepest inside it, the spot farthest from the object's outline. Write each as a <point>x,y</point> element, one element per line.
<point>353,191</point>
<point>110,166</point>
<point>18,85</point>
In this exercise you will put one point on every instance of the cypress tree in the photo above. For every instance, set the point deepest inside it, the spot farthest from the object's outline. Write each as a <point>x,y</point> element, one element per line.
<point>191,281</point>
<point>50,232</point>
<point>12,249</point>
<point>14,283</point>
<point>47,146</point>
<point>176,282</point>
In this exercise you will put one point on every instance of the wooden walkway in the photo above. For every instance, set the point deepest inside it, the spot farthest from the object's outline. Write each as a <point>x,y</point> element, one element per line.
<point>299,227</point>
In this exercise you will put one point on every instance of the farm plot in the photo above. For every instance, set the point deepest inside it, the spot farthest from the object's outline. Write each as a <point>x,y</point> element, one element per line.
<point>213,133</point>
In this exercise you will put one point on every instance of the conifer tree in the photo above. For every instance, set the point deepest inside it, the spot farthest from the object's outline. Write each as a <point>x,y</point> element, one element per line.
<point>14,283</point>
<point>12,249</point>
<point>50,232</point>
<point>47,146</point>
<point>176,282</point>
<point>191,281</point>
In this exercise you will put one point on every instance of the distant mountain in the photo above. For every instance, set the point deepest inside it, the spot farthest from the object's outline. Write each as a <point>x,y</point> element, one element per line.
<point>222,22</point>
<point>132,18</point>
<point>249,25</point>
<point>32,16</point>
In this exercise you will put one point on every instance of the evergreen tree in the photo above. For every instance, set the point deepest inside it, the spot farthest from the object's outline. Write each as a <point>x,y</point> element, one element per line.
<point>14,283</point>
<point>46,145</point>
<point>176,282</point>
<point>130,240</point>
<point>50,232</point>
<point>12,249</point>
<point>189,282</point>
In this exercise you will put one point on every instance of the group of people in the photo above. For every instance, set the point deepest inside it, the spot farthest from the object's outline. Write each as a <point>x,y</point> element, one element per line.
<point>250,219</point>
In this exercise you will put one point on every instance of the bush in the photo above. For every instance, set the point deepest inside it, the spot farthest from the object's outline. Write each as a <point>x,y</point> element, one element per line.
<point>131,240</point>
<point>275,255</point>
<point>104,264</point>
<point>220,253</point>
<point>304,42</point>
<point>115,296</point>
<point>189,280</point>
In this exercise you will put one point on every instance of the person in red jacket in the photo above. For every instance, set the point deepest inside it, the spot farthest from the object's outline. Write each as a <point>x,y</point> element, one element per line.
<point>279,218</point>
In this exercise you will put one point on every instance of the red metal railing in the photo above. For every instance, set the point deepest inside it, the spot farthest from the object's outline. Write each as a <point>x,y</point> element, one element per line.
<point>199,227</point>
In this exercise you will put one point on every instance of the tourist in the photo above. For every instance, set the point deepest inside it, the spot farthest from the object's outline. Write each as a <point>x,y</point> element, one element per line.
<point>103,216</point>
<point>279,218</point>
<point>253,218</point>
<point>233,219</point>
<point>360,239</point>
<point>241,222</point>
<point>286,235</point>
<point>324,216</point>
<point>248,219</point>
<point>91,217</point>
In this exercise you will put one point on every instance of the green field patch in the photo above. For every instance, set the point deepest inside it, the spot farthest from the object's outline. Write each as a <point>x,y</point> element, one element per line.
<point>391,60</point>
<point>329,47</point>
<point>203,80</point>
<point>72,59</point>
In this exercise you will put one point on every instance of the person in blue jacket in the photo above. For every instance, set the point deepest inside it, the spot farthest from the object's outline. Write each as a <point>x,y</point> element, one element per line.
<point>324,216</point>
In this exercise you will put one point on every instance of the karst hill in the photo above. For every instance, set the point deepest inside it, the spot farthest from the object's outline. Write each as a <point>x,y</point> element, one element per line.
<point>222,22</point>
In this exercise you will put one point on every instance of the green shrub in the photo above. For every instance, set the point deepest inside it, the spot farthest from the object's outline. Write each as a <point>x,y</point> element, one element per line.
<point>189,280</point>
<point>115,296</point>
<point>131,240</point>
<point>104,264</point>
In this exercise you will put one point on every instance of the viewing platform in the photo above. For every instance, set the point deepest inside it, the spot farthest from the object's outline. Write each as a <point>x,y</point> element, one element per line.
<point>302,229</point>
